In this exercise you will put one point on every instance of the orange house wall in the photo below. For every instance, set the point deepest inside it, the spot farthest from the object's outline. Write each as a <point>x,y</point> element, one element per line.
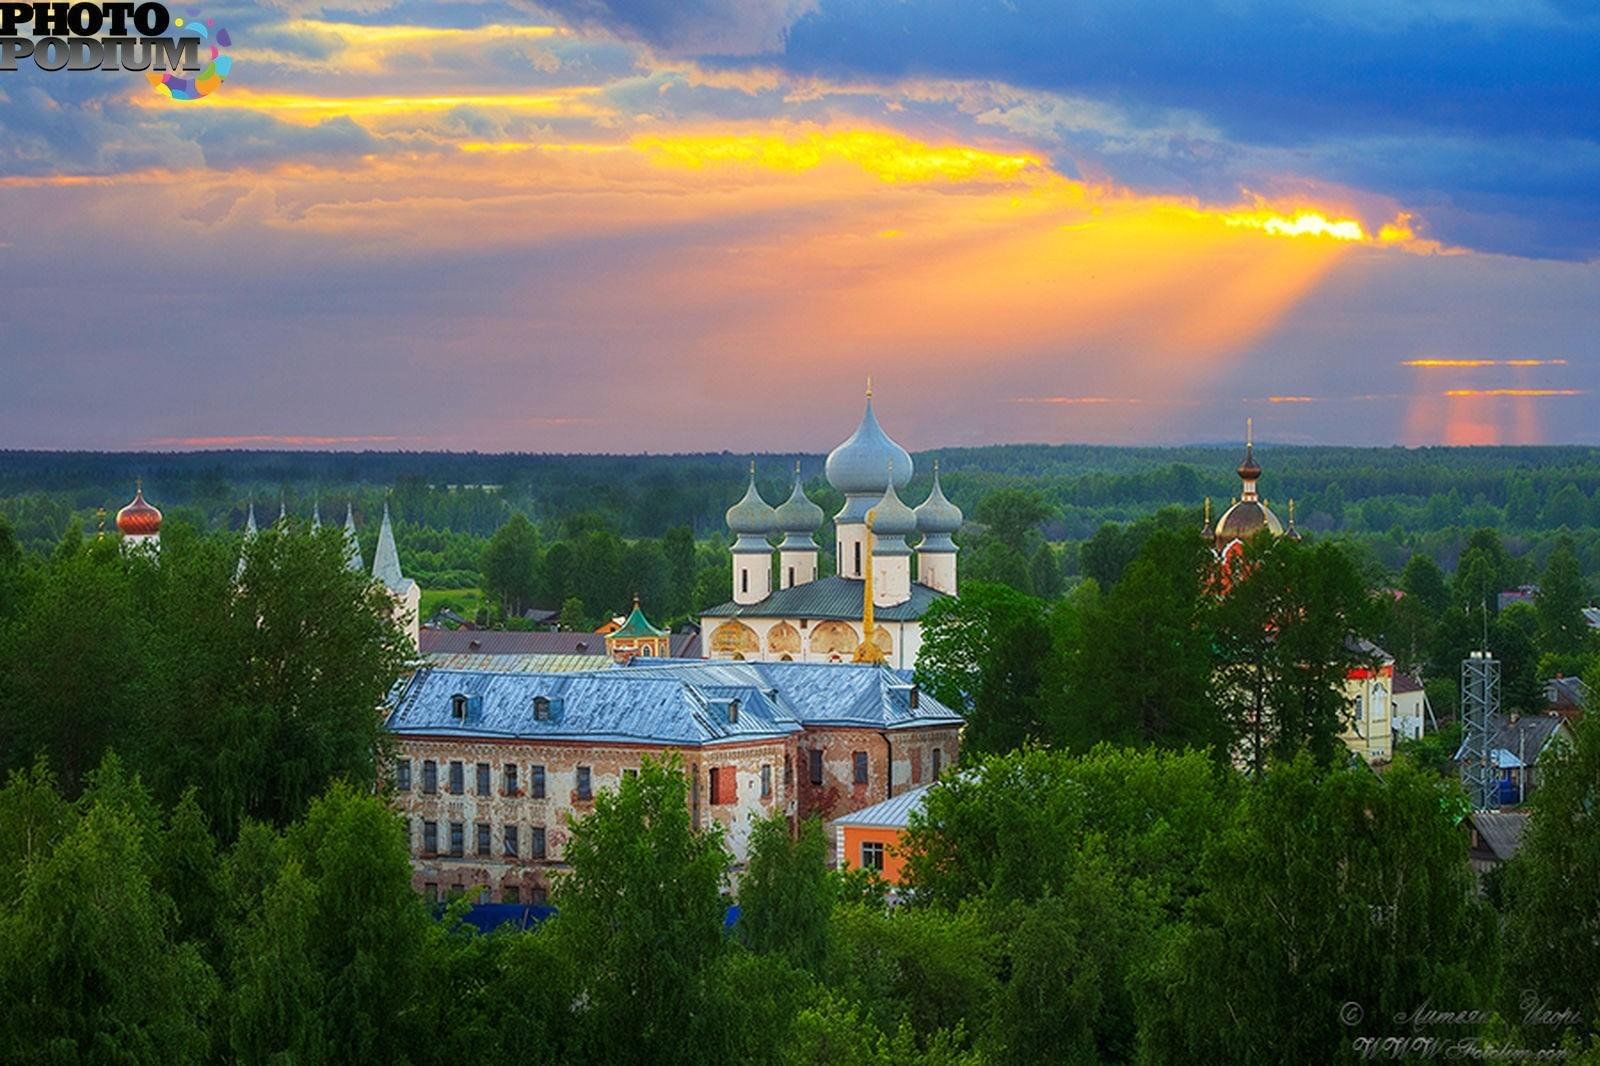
<point>855,836</point>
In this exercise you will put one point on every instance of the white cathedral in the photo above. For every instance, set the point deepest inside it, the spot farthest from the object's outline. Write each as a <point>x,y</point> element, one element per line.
<point>809,618</point>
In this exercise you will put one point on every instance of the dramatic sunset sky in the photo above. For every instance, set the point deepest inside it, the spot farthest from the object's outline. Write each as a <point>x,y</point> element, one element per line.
<point>699,224</point>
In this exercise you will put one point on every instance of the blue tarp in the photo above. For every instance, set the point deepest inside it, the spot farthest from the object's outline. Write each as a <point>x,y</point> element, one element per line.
<point>487,917</point>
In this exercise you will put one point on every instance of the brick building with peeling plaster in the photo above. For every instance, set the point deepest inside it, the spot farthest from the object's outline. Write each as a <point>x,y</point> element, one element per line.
<point>492,765</point>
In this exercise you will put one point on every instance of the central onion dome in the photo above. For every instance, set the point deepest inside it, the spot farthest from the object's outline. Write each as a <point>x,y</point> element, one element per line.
<point>797,517</point>
<point>937,516</point>
<point>139,519</point>
<point>856,467</point>
<point>752,516</point>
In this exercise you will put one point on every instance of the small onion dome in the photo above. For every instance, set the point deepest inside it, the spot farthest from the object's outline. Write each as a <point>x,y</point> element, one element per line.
<point>752,516</point>
<point>138,519</point>
<point>797,514</point>
<point>1249,469</point>
<point>856,466</point>
<point>1245,519</point>
<point>891,517</point>
<point>936,514</point>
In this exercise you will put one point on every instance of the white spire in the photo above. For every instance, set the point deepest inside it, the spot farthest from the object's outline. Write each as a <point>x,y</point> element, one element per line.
<point>316,515</point>
<point>386,560</point>
<point>352,546</point>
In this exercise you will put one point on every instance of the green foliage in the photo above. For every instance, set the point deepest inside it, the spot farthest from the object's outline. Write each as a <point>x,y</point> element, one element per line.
<point>91,967</point>
<point>984,651</point>
<point>784,894</point>
<point>642,907</point>
<point>1135,666</point>
<point>1554,889</point>
<point>1562,597</point>
<point>1328,887</point>
<point>1282,633</point>
<point>510,565</point>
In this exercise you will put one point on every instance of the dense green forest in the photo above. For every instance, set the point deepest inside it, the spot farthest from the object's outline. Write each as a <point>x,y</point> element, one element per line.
<point>196,866</point>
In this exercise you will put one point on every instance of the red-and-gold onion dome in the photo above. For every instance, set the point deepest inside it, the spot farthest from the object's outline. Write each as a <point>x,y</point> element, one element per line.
<point>139,519</point>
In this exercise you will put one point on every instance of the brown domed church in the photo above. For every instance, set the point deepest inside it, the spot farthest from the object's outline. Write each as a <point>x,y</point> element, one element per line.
<point>1249,514</point>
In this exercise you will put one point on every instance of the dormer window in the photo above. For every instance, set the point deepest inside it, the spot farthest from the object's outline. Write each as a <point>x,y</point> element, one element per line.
<point>733,712</point>
<point>541,709</point>
<point>458,707</point>
<point>915,698</point>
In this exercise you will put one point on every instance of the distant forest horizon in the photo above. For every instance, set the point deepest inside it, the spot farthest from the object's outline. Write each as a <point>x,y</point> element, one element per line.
<point>1389,501</point>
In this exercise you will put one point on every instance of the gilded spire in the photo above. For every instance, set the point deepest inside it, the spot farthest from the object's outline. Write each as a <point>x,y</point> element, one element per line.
<point>869,386</point>
<point>868,651</point>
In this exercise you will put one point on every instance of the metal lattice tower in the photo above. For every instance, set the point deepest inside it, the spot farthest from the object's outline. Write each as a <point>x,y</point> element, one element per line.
<point>1480,704</point>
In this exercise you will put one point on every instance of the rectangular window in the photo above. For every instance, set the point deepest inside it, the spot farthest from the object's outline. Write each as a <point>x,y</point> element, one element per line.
<point>511,779</point>
<point>872,855</point>
<point>402,775</point>
<point>791,577</point>
<point>815,759</point>
<point>483,779</point>
<point>511,841</point>
<point>858,558</point>
<point>536,842</point>
<point>538,895</point>
<point>457,778</point>
<point>859,759</point>
<point>916,766</point>
<point>430,777</point>
<point>630,773</point>
<point>536,782</point>
<point>584,788</point>
<point>766,781</point>
<point>458,832</point>
<point>938,761</point>
<point>511,894</point>
<point>430,838</point>
<point>430,892</point>
<point>483,838</point>
<point>744,581</point>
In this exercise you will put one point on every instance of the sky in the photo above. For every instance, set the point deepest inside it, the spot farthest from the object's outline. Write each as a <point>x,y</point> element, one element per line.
<point>685,225</point>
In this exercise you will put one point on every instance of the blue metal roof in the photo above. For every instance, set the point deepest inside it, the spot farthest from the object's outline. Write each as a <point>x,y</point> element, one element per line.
<point>892,813</point>
<point>816,694</point>
<point>606,705</point>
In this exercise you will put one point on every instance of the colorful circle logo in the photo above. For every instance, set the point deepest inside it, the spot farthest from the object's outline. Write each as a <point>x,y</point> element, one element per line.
<point>210,78</point>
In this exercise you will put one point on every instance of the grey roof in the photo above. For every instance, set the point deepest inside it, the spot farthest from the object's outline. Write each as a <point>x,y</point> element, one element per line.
<point>857,466</point>
<point>798,517</point>
<point>1518,743</point>
<point>892,813</point>
<point>1501,831</point>
<point>1404,682</point>
<point>818,694</point>
<point>937,518</point>
<point>352,545</point>
<point>608,705</point>
<point>497,642</point>
<point>386,560</point>
<point>752,517</point>
<point>828,597</point>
